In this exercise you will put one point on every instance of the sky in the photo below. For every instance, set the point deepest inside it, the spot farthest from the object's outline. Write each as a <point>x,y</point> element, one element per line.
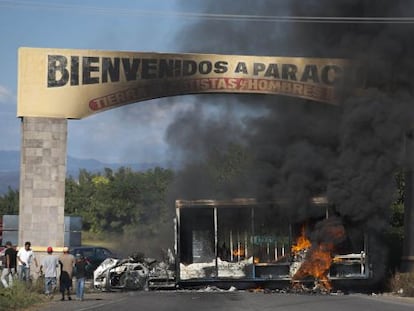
<point>129,134</point>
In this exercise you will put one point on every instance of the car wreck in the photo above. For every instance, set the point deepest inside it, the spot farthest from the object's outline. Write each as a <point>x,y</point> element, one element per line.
<point>134,273</point>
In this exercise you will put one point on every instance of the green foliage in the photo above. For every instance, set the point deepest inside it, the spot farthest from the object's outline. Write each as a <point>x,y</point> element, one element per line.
<point>9,202</point>
<point>227,171</point>
<point>395,234</point>
<point>397,208</point>
<point>400,184</point>
<point>113,201</point>
<point>19,296</point>
<point>228,165</point>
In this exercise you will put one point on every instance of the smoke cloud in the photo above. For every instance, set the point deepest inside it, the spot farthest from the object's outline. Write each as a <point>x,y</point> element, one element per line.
<point>298,149</point>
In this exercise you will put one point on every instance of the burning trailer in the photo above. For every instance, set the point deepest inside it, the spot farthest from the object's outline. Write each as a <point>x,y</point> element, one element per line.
<point>246,243</point>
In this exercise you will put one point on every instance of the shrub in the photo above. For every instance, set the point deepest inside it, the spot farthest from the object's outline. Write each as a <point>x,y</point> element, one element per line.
<point>18,296</point>
<point>403,284</point>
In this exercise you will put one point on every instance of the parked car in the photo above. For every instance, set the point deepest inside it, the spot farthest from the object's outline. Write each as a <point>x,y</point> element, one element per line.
<point>95,255</point>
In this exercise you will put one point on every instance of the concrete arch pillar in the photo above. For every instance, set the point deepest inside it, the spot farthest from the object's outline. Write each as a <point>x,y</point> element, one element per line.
<point>42,181</point>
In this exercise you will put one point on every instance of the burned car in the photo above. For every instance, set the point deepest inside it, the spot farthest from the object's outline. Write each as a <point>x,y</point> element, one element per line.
<point>134,273</point>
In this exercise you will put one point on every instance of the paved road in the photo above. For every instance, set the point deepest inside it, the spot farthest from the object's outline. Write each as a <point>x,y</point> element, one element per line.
<point>227,301</point>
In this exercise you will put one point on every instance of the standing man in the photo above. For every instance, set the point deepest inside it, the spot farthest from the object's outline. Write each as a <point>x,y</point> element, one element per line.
<point>67,262</point>
<point>80,274</point>
<point>25,256</point>
<point>49,267</point>
<point>9,269</point>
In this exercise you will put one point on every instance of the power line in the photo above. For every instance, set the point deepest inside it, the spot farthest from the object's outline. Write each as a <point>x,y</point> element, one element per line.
<point>31,5</point>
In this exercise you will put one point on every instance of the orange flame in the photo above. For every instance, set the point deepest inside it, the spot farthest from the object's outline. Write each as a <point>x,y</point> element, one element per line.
<point>317,264</point>
<point>239,252</point>
<point>302,242</point>
<point>318,259</point>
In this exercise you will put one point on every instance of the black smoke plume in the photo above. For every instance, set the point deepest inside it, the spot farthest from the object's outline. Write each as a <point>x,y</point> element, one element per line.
<point>298,149</point>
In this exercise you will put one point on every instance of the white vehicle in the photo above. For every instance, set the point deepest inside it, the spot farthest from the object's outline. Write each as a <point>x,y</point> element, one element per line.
<point>134,273</point>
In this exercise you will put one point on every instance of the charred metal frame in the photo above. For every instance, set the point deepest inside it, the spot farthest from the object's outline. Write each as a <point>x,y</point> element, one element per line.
<point>345,266</point>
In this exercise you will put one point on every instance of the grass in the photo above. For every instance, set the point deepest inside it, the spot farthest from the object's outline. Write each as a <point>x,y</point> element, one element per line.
<point>20,296</point>
<point>403,284</point>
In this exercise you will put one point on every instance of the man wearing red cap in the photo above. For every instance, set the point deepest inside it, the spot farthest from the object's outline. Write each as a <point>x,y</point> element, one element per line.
<point>49,267</point>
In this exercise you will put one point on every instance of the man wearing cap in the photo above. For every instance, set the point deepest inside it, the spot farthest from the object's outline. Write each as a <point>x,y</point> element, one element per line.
<point>48,267</point>
<point>67,262</point>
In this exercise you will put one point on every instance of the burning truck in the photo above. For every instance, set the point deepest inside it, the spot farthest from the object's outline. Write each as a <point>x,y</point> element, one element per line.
<point>251,244</point>
<point>247,244</point>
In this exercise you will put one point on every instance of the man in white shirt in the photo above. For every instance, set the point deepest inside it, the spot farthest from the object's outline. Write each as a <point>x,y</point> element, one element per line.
<point>49,267</point>
<point>25,257</point>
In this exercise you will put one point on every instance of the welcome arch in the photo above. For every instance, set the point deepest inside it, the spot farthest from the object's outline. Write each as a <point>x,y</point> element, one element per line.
<point>74,84</point>
<point>55,85</point>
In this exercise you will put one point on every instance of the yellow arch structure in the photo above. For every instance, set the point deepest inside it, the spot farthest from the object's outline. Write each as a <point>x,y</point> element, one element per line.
<point>74,84</point>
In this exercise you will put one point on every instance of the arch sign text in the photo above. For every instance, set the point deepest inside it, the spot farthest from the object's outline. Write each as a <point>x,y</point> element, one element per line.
<point>74,84</point>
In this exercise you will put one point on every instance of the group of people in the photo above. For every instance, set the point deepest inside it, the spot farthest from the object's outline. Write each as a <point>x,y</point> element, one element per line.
<point>19,263</point>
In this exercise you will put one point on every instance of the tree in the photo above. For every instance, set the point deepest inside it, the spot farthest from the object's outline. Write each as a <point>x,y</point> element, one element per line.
<point>116,201</point>
<point>9,202</point>
<point>78,195</point>
<point>395,233</point>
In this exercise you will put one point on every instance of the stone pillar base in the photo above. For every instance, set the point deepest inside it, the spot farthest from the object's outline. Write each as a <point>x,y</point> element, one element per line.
<point>42,181</point>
